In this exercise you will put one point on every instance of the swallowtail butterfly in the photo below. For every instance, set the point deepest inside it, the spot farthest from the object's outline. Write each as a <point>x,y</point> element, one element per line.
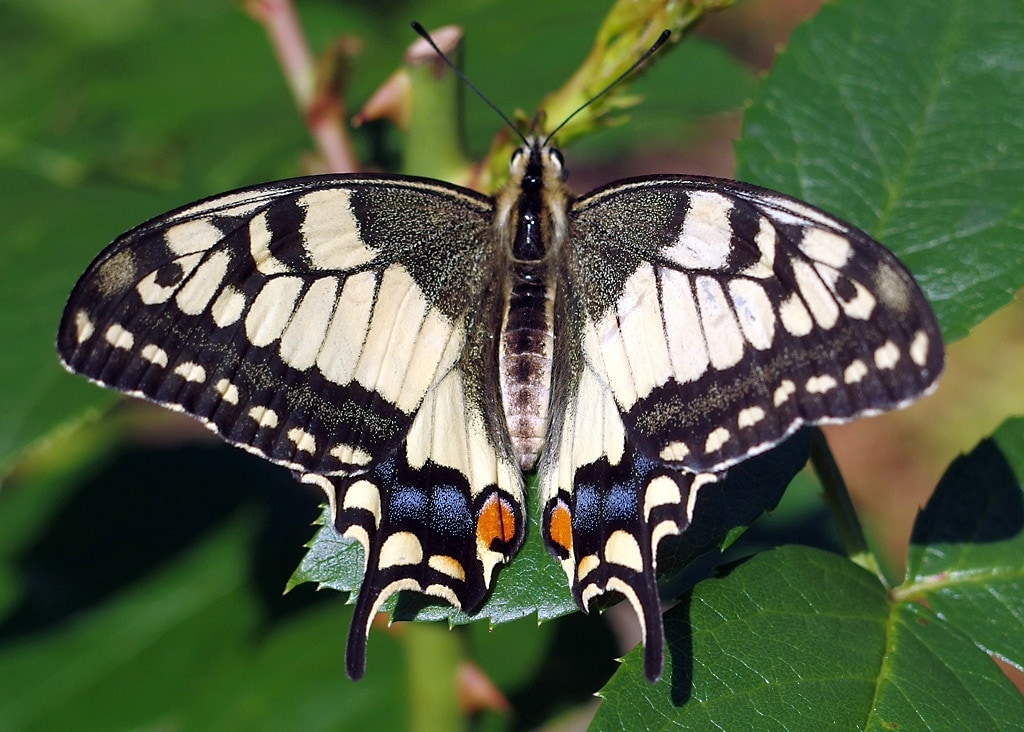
<point>412,347</point>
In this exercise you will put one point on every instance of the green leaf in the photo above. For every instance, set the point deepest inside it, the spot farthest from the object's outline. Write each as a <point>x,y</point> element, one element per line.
<point>966,560</point>
<point>799,634</point>
<point>800,639</point>
<point>936,679</point>
<point>792,638</point>
<point>904,118</point>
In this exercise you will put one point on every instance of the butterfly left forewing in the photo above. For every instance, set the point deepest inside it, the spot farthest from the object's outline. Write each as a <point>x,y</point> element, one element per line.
<point>303,320</point>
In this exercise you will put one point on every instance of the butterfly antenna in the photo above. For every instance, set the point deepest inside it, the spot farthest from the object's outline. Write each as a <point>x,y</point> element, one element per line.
<point>665,34</point>
<point>462,77</point>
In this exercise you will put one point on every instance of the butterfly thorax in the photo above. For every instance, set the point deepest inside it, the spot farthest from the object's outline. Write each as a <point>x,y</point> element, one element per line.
<point>531,223</point>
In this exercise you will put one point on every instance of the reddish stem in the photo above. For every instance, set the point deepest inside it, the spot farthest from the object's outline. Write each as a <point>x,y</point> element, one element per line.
<point>321,107</point>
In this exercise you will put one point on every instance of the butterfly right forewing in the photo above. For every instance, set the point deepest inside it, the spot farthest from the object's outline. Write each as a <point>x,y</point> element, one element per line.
<point>740,314</point>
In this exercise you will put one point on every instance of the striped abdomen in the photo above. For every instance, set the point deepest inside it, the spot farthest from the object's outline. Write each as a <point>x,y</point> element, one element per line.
<point>524,360</point>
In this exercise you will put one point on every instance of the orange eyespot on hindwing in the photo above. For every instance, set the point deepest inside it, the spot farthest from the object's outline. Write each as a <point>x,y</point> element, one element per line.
<point>558,528</point>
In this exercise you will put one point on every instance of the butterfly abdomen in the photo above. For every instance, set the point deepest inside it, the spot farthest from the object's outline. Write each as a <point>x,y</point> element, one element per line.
<point>530,219</point>
<point>524,360</point>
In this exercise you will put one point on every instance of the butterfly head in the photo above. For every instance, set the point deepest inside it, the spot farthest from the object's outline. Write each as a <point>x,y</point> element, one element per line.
<point>537,165</point>
<point>531,207</point>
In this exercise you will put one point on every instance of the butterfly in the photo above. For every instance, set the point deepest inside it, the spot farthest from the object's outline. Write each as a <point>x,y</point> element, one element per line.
<point>414,348</point>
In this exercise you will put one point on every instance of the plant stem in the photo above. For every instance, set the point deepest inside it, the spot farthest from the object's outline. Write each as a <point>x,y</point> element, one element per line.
<point>317,100</point>
<point>433,145</point>
<point>837,498</point>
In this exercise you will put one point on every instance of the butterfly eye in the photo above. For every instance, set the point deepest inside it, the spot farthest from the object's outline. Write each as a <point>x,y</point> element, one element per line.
<point>517,155</point>
<point>556,158</point>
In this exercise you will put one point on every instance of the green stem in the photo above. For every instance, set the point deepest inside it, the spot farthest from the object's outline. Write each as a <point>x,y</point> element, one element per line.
<point>434,139</point>
<point>626,33</point>
<point>432,654</point>
<point>837,498</point>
